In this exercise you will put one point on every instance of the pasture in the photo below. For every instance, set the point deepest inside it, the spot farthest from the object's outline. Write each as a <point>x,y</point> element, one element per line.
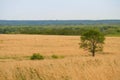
<point>73,63</point>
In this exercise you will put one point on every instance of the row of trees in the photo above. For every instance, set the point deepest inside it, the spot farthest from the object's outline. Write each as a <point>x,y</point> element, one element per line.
<point>59,29</point>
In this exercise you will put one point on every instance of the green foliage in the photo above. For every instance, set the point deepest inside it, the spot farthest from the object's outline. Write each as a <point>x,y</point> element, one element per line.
<point>54,56</point>
<point>108,29</point>
<point>92,41</point>
<point>37,56</point>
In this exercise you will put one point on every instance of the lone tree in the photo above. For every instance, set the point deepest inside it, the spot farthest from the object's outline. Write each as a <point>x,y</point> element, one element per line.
<point>92,41</point>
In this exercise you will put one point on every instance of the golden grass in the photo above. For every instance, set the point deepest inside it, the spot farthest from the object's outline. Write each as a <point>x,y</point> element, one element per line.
<point>77,64</point>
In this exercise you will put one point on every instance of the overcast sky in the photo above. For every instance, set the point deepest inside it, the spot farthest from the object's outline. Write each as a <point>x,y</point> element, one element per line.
<point>59,9</point>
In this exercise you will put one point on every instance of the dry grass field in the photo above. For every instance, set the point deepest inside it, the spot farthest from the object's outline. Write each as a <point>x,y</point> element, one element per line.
<point>76,64</point>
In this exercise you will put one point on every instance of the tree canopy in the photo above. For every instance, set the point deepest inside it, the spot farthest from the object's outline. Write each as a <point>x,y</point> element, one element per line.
<point>92,40</point>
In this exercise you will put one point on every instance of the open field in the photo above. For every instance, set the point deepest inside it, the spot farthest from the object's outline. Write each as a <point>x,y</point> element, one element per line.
<point>77,64</point>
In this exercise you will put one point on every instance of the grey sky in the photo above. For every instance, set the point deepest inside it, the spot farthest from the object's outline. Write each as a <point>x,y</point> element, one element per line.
<point>59,9</point>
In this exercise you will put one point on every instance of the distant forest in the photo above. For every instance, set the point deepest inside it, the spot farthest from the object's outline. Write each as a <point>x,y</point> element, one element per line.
<point>69,27</point>
<point>57,22</point>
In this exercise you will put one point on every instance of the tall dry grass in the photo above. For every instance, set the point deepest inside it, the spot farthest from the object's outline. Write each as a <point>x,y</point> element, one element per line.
<point>76,68</point>
<point>77,64</point>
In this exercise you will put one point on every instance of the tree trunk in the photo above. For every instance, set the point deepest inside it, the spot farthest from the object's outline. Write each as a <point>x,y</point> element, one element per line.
<point>93,53</point>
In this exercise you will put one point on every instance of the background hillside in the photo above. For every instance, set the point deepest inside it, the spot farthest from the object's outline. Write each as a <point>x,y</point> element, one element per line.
<point>56,22</point>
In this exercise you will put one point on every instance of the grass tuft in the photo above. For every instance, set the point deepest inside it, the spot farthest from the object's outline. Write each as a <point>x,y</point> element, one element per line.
<point>37,56</point>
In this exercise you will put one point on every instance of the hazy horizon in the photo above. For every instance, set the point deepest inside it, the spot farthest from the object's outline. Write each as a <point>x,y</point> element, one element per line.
<point>57,20</point>
<point>60,10</point>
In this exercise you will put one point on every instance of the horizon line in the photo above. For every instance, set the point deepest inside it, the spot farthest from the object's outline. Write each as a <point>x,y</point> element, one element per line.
<point>54,19</point>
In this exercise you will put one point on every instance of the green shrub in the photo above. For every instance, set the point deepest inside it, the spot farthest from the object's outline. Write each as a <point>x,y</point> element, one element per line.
<point>54,56</point>
<point>36,56</point>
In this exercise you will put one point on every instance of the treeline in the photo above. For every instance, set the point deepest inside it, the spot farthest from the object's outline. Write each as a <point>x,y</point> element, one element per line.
<point>59,29</point>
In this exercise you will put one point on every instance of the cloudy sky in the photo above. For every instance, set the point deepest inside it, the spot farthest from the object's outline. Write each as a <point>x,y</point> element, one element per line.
<point>59,9</point>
